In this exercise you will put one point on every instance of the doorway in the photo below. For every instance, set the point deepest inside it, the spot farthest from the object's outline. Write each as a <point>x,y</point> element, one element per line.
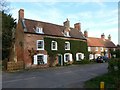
<point>60,61</point>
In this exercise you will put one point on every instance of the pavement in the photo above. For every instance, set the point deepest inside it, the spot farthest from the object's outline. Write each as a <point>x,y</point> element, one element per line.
<point>72,76</point>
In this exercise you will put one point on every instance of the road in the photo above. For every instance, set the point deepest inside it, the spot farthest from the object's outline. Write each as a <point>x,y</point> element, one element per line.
<point>58,77</point>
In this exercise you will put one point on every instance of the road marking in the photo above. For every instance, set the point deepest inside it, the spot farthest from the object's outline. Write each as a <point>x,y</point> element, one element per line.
<point>18,80</point>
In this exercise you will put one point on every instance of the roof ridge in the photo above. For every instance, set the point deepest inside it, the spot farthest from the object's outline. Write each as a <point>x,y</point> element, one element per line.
<point>47,23</point>
<point>42,22</point>
<point>94,37</point>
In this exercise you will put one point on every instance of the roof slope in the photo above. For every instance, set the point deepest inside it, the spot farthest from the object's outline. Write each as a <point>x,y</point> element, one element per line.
<point>98,42</point>
<point>52,29</point>
<point>94,42</point>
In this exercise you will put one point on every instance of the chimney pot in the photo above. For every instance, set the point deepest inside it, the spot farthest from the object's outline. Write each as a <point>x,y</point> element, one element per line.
<point>109,37</point>
<point>86,33</point>
<point>103,36</point>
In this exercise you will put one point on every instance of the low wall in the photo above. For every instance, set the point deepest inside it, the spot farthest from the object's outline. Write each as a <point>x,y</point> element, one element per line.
<point>11,66</point>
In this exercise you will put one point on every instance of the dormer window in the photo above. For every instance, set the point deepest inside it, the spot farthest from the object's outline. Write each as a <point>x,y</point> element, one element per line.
<point>66,34</point>
<point>53,45</point>
<point>67,45</point>
<point>39,30</point>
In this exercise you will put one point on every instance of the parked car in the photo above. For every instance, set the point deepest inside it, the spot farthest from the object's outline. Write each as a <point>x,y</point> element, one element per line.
<point>101,59</point>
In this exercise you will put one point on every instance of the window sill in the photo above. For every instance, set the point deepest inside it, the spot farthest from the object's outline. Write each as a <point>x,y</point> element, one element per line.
<point>54,49</point>
<point>40,49</point>
<point>67,49</point>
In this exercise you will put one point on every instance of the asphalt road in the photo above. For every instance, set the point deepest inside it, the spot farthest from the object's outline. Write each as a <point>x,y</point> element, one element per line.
<point>58,77</point>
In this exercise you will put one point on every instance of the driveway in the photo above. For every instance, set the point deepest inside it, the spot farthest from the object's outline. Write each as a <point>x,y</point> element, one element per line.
<point>72,76</point>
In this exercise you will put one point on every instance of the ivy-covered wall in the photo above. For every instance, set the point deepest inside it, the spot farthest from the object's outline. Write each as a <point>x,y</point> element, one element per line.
<point>76,46</point>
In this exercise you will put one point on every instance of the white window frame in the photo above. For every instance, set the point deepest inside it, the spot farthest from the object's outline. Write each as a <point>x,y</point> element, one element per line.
<point>42,57</point>
<point>89,48</point>
<point>36,59</point>
<point>39,30</point>
<point>114,49</point>
<point>68,45</point>
<point>82,56</point>
<point>42,46</point>
<point>101,49</point>
<point>67,34</point>
<point>70,57</point>
<point>96,48</point>
<point>52,45</point>
<point>91,56</point>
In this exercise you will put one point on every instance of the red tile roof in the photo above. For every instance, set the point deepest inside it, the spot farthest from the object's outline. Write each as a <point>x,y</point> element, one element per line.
<point>52,29</point>
<point>98,42</point>
<point>109,44</point>
<point>94,42</point>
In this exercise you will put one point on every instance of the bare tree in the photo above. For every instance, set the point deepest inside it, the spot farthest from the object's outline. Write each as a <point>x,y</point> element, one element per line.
<point>4,6</point>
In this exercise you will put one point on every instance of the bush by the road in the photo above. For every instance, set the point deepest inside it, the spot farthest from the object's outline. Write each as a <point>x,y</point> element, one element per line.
<point>114,65</point>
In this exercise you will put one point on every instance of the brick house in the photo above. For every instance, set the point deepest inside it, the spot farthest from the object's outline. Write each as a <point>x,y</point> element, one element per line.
<point>32,37</point>
<point>99,46</point>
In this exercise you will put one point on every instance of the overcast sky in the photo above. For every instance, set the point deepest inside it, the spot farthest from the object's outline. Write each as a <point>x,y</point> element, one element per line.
<point>95,17</point>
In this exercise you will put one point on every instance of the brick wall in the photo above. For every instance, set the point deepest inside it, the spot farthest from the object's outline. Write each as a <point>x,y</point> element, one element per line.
<point>30,41</point>
<point>12,66</point>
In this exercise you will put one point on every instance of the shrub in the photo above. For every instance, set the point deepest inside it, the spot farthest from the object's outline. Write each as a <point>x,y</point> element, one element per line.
<point>114,65</point>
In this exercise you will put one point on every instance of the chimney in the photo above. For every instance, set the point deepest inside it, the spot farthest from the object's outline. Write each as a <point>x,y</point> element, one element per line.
<point>21,14</point>
<point>103,36</point>
<point>77,26</point>
<point>67,23</point>
<point>109,37</point>
<point>86,33</point>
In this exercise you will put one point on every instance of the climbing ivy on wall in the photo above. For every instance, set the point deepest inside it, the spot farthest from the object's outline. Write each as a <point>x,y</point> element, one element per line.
<point>76,46</point>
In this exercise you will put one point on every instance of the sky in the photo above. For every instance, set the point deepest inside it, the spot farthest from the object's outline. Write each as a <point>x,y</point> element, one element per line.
<point>95,16</point>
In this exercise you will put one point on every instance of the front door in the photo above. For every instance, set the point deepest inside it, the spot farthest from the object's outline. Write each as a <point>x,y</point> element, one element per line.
<point>60,60</point>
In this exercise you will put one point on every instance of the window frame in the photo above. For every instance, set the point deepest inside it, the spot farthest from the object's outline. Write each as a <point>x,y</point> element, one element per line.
<point>42,63</point>
<point>77,56</point>
<point>68,46</point>
<point>114,49</point>
<point>55,45</point>
<point>70,57</point>
<point>101,49</point>
<point>96,48</point>
<point>91,56</point>
<point>42,46</point>
<point>67,34</point>
<point>39,30</point>
<point>89,48</point>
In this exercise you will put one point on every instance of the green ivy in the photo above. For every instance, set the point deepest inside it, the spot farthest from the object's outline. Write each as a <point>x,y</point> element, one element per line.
<point>76,46</point>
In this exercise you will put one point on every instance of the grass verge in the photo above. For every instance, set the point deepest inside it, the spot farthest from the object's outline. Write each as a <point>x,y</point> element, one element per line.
<point>111,80</point>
